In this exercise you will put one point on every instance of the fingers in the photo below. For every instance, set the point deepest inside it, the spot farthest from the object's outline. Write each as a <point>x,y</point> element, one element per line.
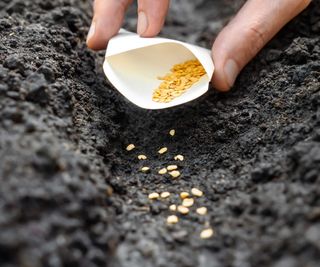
<point>151,16</point>
<point>106,22</point>
<point>256,23</point>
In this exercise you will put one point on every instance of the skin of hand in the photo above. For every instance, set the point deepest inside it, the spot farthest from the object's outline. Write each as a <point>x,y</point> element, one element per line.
<point>245,35</point>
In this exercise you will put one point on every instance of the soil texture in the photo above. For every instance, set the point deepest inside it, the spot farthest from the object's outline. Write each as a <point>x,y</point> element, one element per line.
<point>70,193</point>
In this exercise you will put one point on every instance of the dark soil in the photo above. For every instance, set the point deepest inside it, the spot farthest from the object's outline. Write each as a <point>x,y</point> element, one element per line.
<point>71,195</point>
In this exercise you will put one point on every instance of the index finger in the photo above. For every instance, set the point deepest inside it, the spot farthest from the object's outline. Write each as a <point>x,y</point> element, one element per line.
<point>107,20</point>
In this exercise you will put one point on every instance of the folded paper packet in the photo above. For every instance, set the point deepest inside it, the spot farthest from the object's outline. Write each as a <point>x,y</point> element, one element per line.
<point>133,64</point>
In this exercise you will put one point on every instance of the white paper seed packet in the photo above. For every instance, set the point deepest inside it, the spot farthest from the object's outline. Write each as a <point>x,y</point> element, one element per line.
<point>133,64</point>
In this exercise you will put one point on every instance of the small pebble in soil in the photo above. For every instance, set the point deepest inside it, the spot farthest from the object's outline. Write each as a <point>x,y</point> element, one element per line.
<point>142,157</point>
<point>163,171</point>
<point>202,210</point>
<point>145,169</point>
<point>173,207</point>
<point>183,210</point>
<point>184,195</point>
<point>179,157</point>
<point>196,192</point>
<point>172,219</point>
<point>172,167</point>
<point>175,174</point>
<point>130,147</point>
<point>188,202</point>
<point>163,150</point>
<point>153,195</point>
<point>172,132</point>
<point>165,194</point>
<point>206,233</point>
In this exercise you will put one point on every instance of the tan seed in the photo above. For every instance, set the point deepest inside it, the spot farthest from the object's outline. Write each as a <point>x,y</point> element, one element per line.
<point>172,167</point>
<point>163,171</point>
<point>164,194</point>
<point>196,192</point>
<point>163,150</point>
<point>188,202</point>
<point>145,169</point>
<point>179,157</point>
<point>175,174</point>
<point>142,157</point>
<point>206,233</point>
<point>182,77</point>
<point>173,207</point>
<point>130,147</point>
<point>153,195</point>
<point>202,211</point>
<point>172,219</point>
<point>172,132</point>
<point>184,195</point>
<point>183,209</point>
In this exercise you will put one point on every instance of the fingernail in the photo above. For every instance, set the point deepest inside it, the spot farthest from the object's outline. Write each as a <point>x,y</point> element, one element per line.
<point>231,71</point>
<point>142,23</point>
<point>91,31</point>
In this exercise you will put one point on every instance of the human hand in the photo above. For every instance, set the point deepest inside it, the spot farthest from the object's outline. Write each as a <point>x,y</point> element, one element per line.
<point>246,34</point>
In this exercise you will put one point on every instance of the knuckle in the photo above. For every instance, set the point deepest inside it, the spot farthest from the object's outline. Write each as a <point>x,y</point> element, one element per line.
<point>257,37</point>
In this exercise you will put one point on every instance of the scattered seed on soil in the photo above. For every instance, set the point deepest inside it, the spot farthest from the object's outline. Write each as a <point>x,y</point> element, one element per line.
<point>183,209</point>
<point>145,169</point>
<point>196,192</point>
<point>202,211</point>
<point>179,157</point>
<point>175,174</point>
<point>142,157</point>
<point>181,78</point>
<point>153,195</point>
<point>165,194</point>
<point>206,233</point>
<point>172,132</point>
<point>163,150</point>
<point>188,202</point>
<point>172,219</point>
<point>130,147</point>
<point>173,207</point>
<point>163,171</point>
<point>172,167</point>
<point>184,195</point>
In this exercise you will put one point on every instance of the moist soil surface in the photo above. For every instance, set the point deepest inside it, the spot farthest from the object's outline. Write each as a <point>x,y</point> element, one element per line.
<point>70,193</point>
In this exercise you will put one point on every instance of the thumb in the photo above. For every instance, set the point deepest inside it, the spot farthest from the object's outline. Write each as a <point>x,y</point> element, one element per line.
<point>255,24</point>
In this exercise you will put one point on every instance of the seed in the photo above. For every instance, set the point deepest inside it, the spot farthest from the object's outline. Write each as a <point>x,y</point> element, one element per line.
<point>196,192</point>
<point>142,157</point>
<point>175,174</point>
<point>174,84</point>
<point>163,150</point>
<point>183,209</point>
<point>173,207</point>
<point>172,219</point>
<point>145,169</point>
<point>130,147</point>
<point>153,195</point>
<point>179,157</point>
<point>184,195</point>
<point>163,171</point>
<point>202,210</point>
<point>188,202</point>
<point>172,132</point>
<point>172,167</point>
<point>165,194</point>
<point>206,233</point>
